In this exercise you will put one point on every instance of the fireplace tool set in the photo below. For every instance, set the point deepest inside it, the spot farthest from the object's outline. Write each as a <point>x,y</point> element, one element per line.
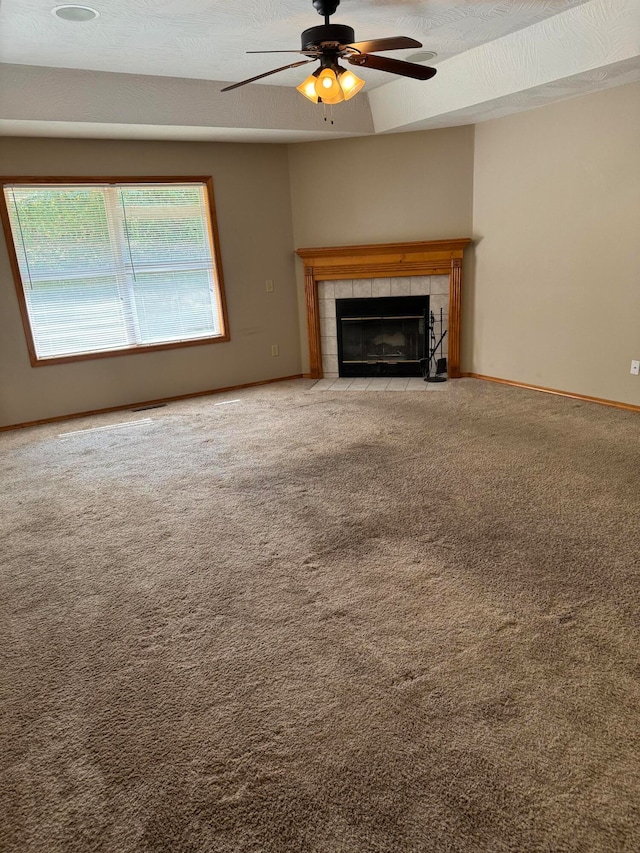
<point>435,365</point>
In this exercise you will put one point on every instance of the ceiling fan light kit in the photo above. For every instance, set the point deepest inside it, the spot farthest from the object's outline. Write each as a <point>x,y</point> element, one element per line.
<point>331,83</point>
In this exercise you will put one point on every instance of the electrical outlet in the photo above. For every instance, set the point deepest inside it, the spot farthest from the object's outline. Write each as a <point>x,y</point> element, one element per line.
<point>635,368</point>
<point>269,285</point>
<point>275,350</point>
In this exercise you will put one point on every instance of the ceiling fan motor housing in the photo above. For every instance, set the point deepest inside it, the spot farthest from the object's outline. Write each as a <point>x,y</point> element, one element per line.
<point>336,34</point>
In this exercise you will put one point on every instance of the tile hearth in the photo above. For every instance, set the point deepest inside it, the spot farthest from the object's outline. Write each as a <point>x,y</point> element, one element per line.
<point>377,383</point>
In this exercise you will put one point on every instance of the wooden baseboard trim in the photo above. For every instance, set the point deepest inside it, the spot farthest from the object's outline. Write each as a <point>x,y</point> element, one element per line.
<point>148,403</point>
<point>628,407</point>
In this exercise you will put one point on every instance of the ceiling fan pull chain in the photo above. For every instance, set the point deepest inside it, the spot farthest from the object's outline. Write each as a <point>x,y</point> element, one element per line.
<point>324,111</point>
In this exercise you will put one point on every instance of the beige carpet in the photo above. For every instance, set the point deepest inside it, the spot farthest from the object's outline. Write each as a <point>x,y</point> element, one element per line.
<point>323,623</point>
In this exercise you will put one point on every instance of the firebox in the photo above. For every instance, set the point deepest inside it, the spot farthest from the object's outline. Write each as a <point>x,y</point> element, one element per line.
<point>385,336</point>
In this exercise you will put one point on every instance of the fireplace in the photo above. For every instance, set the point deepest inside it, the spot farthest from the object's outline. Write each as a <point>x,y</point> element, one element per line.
<point>382,337</point>
<point>380,266</point>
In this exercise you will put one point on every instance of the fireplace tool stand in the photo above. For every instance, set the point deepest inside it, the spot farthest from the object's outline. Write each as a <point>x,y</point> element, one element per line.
<point>439,362</point>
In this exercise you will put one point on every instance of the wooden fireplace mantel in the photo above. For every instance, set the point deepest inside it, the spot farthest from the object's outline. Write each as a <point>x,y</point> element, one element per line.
<point>384,260</point>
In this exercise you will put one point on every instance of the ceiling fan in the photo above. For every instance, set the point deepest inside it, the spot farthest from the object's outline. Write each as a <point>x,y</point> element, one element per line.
<point>331,83</point>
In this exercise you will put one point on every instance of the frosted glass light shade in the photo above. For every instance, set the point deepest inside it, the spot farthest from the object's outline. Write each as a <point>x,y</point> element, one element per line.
<point>328,88</point>
<point>350,84</point>
<point>308,88</point>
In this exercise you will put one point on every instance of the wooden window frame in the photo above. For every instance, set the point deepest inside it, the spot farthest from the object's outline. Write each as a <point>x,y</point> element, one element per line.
<point>114,181</point>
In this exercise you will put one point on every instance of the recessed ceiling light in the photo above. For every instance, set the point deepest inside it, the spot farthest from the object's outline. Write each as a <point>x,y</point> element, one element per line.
<point>423,56</point>
<point>75,13</point>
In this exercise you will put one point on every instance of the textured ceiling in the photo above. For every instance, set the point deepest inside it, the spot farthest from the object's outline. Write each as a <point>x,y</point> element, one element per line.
<point>154,68</point>
<point>207,39</point>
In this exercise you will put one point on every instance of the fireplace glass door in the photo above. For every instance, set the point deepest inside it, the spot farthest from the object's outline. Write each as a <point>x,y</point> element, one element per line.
<point>382,337</point>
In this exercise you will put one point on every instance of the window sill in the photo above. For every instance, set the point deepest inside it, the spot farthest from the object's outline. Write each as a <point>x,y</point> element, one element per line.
<point>90,356</point>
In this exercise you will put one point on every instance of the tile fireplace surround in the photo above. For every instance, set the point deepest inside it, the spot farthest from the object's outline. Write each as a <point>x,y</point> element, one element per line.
<point>383,269</point>
<point>436,287</point>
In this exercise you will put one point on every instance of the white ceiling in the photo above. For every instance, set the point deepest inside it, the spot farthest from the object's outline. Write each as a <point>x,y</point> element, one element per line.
<point>145,65</point>
<point>208,39</point>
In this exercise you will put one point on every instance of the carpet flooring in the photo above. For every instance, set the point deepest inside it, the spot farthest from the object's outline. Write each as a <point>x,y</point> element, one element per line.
<point>323,623</point>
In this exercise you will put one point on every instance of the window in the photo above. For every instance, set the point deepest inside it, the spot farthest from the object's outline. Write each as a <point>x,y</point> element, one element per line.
<point>106,268</point>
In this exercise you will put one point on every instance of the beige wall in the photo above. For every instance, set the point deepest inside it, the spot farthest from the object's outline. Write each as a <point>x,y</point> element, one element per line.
<point>252,197</point>
<point>383,189</point>
<point>556,301</point>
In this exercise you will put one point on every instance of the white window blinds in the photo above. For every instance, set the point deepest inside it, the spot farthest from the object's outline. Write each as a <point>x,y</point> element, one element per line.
<point>108,267</point>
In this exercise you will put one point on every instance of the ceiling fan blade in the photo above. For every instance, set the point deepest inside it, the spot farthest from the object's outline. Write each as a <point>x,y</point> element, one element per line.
<point>394,66</point>
<point>376,45</point>
<point>266,74</point>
